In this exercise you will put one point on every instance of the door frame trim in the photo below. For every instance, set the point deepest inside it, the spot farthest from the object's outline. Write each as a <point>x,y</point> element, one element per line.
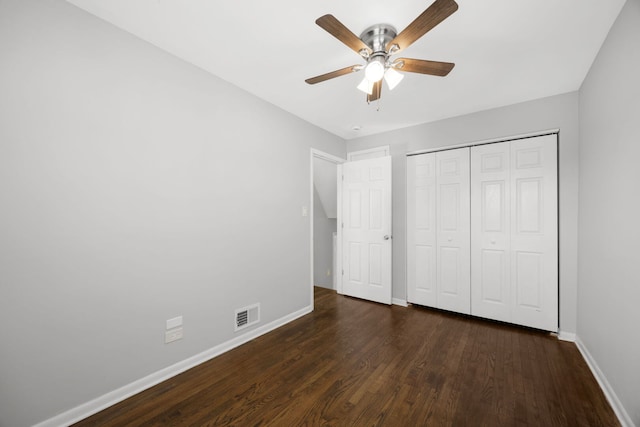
<point>485,141</point>
<point>370,153</point>
<point>317,154</point>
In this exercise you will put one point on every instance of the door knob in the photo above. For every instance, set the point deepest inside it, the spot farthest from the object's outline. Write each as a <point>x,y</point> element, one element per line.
<point>387,237</point>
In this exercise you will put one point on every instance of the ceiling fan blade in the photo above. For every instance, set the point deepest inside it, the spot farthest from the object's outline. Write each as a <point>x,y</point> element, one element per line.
<point>435,68</point>
<point>377,91</point>
<point>334,74</point>
<point>342,33</point>
<point>435,14</point>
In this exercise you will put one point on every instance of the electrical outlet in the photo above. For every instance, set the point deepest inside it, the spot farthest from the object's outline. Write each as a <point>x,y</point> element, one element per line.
<point>328,273</point>
<point>173,335</point>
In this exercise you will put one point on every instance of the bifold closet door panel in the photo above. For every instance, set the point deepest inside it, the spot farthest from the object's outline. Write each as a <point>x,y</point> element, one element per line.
<point>490,231</point>
<point>453,269</point>
<point>514,223</point>
<point>421,229</point>
<point>534,232</point>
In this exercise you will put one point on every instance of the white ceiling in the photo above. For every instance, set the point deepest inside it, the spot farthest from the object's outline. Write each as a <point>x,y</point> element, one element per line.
<point>506,51</point>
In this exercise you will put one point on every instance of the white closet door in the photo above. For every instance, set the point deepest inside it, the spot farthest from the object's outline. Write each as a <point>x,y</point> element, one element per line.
<point>453,237</point>
<point>534,232</point>
<point>421,229</point>
<point>490,231</point>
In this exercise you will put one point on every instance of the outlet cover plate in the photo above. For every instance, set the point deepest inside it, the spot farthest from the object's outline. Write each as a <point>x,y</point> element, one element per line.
<point>174,323</point>
<point>173,335</point>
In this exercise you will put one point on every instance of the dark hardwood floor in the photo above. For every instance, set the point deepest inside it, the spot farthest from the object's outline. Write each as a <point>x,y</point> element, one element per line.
<point>356,363</point>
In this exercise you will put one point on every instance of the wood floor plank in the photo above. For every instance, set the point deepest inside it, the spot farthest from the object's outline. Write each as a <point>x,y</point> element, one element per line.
<point>353,362</point>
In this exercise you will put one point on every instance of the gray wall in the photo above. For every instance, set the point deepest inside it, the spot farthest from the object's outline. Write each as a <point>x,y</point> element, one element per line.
<point>609,252</point>
<point>134,187</point>
<point>323,229</point>
<point>555,112</point>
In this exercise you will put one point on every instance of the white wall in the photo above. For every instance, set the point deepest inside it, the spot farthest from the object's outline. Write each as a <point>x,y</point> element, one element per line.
<point>133,188</point>
<point>325,179</point>
<point>325,210</point>
<point>609,251</point>
<point>323,228</point>
<point>554,112</point>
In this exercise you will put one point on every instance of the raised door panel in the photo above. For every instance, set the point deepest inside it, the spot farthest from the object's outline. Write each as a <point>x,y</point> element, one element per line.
<point>490,229</point>
<point>449,271</point>
<point>528,281</point>
<point>354,267</point>
<point>452,230</point>
<point>534,232</point>
<point>376,227</point>
<point>355,258</point>
<point>375,265</point>
<point>421,230</point>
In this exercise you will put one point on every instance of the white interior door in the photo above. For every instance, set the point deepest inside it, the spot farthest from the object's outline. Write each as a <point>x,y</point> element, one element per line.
<point>534,232</point>
<point>366,229</point>
<point>490,231</point>
<point>453,235</point>
<point>421,230</point>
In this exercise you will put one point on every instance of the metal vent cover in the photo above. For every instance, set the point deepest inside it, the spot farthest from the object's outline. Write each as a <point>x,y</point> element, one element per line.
<point>247,316</point>
<point>242,318</point>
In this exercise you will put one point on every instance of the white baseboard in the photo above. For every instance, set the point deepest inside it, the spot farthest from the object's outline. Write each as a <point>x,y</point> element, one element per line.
<point>96,405</point>
<point>567,336</point>
<point>611,396</point>
<point>400,302</point>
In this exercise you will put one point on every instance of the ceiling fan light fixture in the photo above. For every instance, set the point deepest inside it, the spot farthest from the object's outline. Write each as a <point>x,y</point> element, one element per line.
<point>379,42</point>
<point>366,86</point>
<point>393,78</point>
<point>374,71</point>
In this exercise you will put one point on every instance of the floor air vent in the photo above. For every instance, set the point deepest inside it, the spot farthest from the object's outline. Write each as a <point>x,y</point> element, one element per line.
<point>247,316</point>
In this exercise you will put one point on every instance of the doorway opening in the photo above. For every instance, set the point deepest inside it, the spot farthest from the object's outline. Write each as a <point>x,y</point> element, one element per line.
<point>323,222</point>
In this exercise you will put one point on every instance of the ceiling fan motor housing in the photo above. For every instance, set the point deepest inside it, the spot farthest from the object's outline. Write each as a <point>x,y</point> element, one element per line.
<point>377,37</point>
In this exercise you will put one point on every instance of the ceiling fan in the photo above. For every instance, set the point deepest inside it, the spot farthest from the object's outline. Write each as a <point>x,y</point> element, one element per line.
<point>379,42</point>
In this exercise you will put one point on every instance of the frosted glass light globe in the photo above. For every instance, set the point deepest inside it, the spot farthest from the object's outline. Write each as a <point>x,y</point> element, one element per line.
<point>374,69</point>
<point>366,86</point>
<point>392,77</point>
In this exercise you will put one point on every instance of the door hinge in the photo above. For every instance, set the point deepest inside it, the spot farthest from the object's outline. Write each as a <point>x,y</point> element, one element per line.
<point>343,225</point>
<point>343,272</point>
<point>343,177</point>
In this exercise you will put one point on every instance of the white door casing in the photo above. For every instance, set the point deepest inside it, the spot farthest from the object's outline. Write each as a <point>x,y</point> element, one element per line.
<point>421,236</point>
<point>366,229</point>
<point>370,153</point>
<point>453,234</point>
